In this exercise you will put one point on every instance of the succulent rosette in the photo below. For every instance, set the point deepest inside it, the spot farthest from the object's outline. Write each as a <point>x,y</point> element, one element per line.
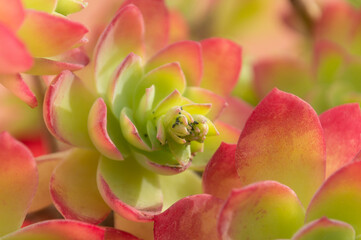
<point>19,181</point>
<point>292,175</point>
<point>152,114</point>
<point>36,39</point>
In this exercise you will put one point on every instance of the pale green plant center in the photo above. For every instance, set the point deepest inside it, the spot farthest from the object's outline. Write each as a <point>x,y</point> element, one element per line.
<point>184,127</point>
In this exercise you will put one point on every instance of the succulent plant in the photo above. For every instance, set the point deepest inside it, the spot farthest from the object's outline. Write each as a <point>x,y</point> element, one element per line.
<point>150,114</point>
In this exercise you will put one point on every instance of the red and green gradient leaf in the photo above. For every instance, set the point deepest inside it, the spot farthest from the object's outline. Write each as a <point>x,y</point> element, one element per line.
<point>325,228</point>
<point>263,210</point>
<point>339,197</point>
<point>283,141</point>
<point>73,187</point>
<point>43,41</point>
<point>124,35</point>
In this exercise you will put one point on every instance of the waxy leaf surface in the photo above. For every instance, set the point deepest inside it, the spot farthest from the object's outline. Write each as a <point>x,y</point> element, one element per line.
<point>129,189</point>
<point>264,210</point>
<point>339,197</point>
<point>66,106</point>
<point>283,141</point>
<point>325,228</point>
<point>122,36</point>
<point>73,187</point>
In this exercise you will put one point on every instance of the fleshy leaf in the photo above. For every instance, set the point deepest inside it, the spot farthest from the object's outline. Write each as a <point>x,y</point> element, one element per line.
<point>12,14</point>
<point>283,141</point>
<point>287,74</point>
<point>74,189</point>
<point>227,134</point>
<point>220,175</point>
<point>222,65</point>
<point>121,89</point>
<point>156,22</point>
<point>122,36</point>
<point>66,106</point>
<point>46,164</point>
<point>236,113</point>
<point>67,230</point>
<point>339,197</point>
<point>98,133</point>
<point>41,5</point>
<point>179,186</point>
<point>193,217</point>
<point>342,129</point>
<point>14,57</point>
<point>18,182</point>
<point>325,228</point>
<point>264,210</point>
<point>129,189</point>
<point>43,41</point>
<point>165,79</point>
<point>72,60</point>
<point>189,56</point>
<point>18,87</point>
